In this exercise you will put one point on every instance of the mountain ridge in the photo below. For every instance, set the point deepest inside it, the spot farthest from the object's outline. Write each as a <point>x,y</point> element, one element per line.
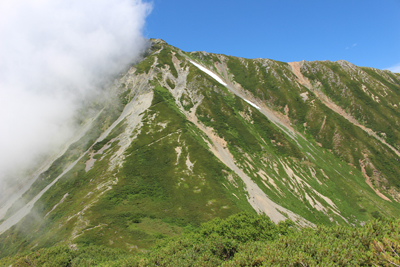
<point>314,142</point>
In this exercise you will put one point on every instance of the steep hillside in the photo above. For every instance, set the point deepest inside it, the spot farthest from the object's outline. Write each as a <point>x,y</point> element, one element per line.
<point>188,137</point>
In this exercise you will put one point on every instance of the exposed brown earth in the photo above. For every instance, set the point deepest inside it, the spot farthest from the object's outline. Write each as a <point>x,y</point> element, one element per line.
<point>330,104</point>
<point>368,181</point>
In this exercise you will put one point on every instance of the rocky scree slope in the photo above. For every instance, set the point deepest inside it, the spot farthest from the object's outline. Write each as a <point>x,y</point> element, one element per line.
<point>188,137</point>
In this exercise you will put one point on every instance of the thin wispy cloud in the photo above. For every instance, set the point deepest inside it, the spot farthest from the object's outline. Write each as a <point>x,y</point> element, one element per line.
<point>355,44</point>
<point>395,68</point>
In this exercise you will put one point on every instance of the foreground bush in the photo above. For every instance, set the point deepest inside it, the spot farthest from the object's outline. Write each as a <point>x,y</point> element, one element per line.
<point>243,240</point>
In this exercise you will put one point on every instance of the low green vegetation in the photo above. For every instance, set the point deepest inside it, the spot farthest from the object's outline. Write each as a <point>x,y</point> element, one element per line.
<point>170,83</point>
<point>241,240</point>
<point>258,145</point>
<point>164,58</point>
<point>144,65</point>
<point>370,97</point>
<point>170,200</point>
<point>125,96</point>
<point>271,84</point>
<point>157,187</point>
<point>114,133</point>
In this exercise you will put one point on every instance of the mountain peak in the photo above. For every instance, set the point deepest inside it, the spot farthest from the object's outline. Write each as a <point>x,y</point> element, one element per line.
<point>183,138</point>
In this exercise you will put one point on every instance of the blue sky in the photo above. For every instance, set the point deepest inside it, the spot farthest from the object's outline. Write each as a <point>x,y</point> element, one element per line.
<point>364,32</point>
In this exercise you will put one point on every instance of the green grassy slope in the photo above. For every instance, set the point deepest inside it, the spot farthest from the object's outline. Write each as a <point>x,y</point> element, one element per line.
<point>158,174</point>
<point>372,97</point>
<point>327,158</point>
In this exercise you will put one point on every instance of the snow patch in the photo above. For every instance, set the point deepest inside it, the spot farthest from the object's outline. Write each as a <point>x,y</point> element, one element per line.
<point>252,104</point>
<point>209,72</point>
<point>218,79</point>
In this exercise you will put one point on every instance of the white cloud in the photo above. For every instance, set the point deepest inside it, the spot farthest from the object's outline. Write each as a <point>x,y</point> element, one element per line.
<point>55,53</point>
<point>348,47</point>
<point>395,68</point>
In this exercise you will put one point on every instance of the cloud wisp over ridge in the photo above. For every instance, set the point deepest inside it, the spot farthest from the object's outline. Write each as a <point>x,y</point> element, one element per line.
<point>53,55</point>
<point>395,68</point>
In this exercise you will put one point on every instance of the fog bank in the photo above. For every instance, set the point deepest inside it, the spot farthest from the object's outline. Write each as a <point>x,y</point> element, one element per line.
<point>54,54</point>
